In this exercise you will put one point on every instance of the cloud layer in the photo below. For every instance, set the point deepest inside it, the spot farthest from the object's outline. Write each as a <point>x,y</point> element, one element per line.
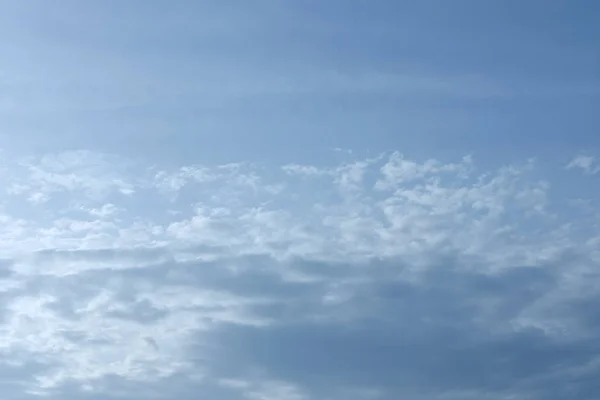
<point>376,278</point>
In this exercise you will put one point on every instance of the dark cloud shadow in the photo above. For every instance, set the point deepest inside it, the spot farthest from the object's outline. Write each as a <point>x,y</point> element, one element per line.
<point>423,338</point>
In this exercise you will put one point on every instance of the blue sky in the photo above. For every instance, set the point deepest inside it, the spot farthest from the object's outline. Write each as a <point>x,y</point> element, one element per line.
<point>297,200</point>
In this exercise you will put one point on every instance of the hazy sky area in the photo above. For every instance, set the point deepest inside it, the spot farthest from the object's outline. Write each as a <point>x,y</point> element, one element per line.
<point>300,199</point>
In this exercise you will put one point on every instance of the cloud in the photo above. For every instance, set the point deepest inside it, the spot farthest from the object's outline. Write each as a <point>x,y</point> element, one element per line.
<point>383,277</point>
<point>587,164</point>
<point>269,390</point>
<point>92,174</point>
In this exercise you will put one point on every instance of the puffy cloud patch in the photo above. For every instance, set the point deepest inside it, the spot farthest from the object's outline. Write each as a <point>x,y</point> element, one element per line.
<point>588,164</point>
<point>378,278</point>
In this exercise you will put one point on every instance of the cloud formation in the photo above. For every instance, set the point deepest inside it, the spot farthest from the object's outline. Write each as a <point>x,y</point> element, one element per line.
<point>588,164</point>
<point>376,278</point>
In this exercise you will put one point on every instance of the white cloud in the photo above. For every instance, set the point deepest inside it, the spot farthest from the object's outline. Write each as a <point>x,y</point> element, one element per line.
<point>586,163</point>
<point>149,287</point>
<point>398,170</point>
<point>106,210</point>
<point>95,175</point>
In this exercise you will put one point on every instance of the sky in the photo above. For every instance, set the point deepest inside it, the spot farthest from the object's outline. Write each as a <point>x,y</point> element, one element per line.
<point>300,199</point>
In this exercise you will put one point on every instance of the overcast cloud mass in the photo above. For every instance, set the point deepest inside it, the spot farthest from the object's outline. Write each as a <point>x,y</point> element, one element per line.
<point>300,200</point>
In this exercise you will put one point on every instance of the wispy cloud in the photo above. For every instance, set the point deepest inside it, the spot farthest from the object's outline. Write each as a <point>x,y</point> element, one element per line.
<point>587,164</point>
